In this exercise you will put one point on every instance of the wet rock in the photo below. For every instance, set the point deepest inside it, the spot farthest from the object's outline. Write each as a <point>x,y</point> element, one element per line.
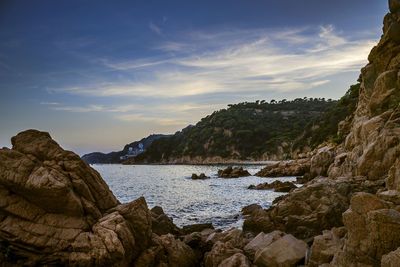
<point>260,242</point>
<point>202,176</point>
<point>325,246</point>
<point>286,168</point>
<point>56,210</point>
<point>285,251</point>
<point>230,172</point>
<point>236,260</point>
<point>161,223</point>
<point>198,227</point>
<point>278,186</point>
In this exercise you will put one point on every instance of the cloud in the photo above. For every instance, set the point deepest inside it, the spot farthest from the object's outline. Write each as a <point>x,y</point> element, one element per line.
<point>89,108</point>
<point>234,62</point>
<point>49,103</point>
<point>155,28</point>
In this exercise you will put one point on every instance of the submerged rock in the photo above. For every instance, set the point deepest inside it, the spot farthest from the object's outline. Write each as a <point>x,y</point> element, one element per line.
<point>230,172</point>
<point>286,168</point>
<point>278,186</point>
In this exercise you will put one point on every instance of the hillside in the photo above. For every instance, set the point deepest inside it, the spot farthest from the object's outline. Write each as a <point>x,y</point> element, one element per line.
<point>332,125</point>
<point>244,131</point>
<point>115,157</point>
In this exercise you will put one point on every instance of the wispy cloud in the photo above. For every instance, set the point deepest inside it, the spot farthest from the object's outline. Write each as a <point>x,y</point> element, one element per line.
<point>235,61</point>
<point>89,108</point>
<point>155,28</point>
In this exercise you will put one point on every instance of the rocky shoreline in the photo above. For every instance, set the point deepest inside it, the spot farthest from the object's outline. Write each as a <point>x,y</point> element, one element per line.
<point>55,210</point>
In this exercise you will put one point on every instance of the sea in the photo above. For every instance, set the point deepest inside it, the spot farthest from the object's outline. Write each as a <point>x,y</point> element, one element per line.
<point>216,200</point>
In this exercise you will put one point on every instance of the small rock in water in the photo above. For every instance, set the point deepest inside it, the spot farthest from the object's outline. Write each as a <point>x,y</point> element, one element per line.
<point>230,172</point>
<point>199,177</point>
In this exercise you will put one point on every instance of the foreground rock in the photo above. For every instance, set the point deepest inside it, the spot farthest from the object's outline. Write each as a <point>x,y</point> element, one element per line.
<point>278,186</point>
<point>230,172</point>
<point>307,211</point>
<point>161,223</point>
<point>285,251</point>
<point>286,168</point>
<point>55,209</point>
<point>202,176</point>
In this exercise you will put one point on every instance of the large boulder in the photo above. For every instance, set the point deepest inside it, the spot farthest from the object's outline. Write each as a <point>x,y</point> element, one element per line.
<point>325,246</point>
<point>219,252</point>
<point>260,242</point>
<point>285,252</point>
<point>321,161</point>
<point>167,251</point>
<point>373,230</point>
<point>56,210</point>
<point>286,168</point>
<point>161,223</point>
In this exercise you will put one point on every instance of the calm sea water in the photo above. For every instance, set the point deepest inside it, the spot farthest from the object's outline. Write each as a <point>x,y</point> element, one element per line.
<point>188,201</point>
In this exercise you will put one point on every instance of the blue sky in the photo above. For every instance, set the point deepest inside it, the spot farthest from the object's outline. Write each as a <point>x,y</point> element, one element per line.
<point>99,74</point>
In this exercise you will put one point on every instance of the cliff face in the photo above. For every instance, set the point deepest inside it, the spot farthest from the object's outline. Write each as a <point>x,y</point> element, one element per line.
<point>373,146</point>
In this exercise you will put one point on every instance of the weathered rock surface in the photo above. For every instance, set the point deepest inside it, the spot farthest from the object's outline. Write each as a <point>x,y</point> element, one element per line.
<point>391,259</point>
<point>161,223</point>
<point>307,211</point>
<point>219,252</point>
<point>250,208</point>
<point>56,210</point>
<point>373,230</point>
<point>278,186</point>
<point>286,251</point>
<point>260,242</point>
<point>230,172</point>
<point>198,227</point>
<point>321,161</point>
<point>236,260</point>
<point>167,251</point>
<point>286,168</point>
<point>325,246</point>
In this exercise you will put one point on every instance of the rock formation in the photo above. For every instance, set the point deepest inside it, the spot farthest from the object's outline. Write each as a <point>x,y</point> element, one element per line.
<point>286,168</point>
<point>202,176</point>
<point>278,186</point>
<point>56,210</point>
<point>230,172</point>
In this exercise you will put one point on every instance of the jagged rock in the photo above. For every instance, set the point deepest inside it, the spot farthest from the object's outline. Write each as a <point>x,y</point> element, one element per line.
<point>391,259</point>
<point>321,161</point>
<point>199,242</point>
<point>234,237</point>
<point>219,252</point>
<point>202,176</point>
<point>260,242</point>
<point>198,227</point>
<point>278,186</point>
<point>373,230</point>
<point>161,223</point>
<point>286,251</point>
<point>167,251</point>
<point>250,208</point>
<point>326,245</point>
<point>308,210</point>
<point>57,210</point>
<point>236,260</point>
<point>286,168</point>
<point>230,172</point>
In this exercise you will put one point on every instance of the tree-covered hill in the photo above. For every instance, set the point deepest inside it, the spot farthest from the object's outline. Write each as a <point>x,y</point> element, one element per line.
<point>325,126</point>
<point>244,131</point>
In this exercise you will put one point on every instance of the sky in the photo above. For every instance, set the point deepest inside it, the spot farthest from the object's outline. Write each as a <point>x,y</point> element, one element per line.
<point>100,74</point>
